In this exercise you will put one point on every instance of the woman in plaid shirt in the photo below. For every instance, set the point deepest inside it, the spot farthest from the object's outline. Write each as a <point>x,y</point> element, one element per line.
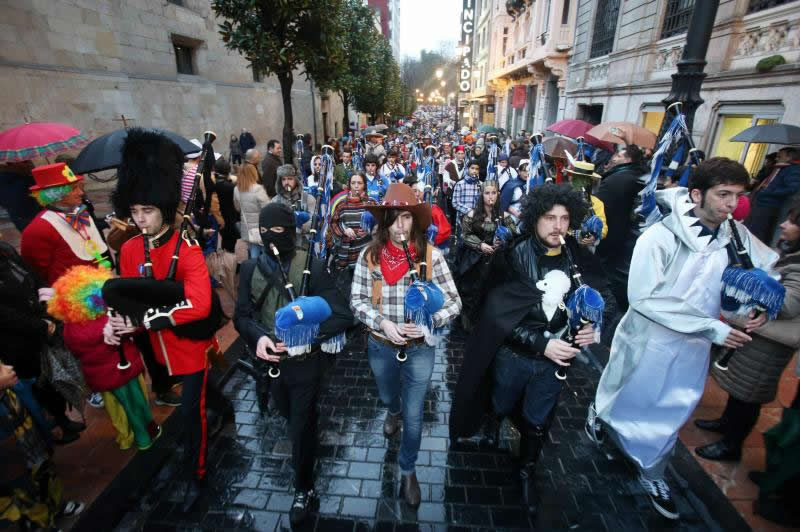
<point>380,283</point>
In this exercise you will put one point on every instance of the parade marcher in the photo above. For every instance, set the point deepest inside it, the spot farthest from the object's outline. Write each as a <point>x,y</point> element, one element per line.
<point>376,185</point>
<point>755,369</point>
<point>314,179</point>
<point>346,223</point>
<point>246,141</point>
<point>269,166</point>
<point>249,197</point>
<point>480,153</point>
<point>382,278</point>
<point>582,176</point>
<point>514,190</point>
<point>63,234</point>
<point>148,190</point>
<point>375,146</point>
<point>659,357</point>
<point>519,331</point>
<point>619,191</point>
<point>392,169</point>
<point>261,293</point>
<point>465,195</point>
<point>225,190</point>
<point>478,245</point>
<point>774,194</point>
<point>504,171</point>
<point>443,227</point>
<point>235,150</point>
<point>343,170</point>
<point>289,191</point>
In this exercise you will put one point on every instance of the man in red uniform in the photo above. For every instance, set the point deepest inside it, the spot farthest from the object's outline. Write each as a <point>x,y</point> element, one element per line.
<point>148,190</point>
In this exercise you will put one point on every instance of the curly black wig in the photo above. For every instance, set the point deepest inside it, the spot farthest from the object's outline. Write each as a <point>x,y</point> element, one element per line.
<point>543,198</point>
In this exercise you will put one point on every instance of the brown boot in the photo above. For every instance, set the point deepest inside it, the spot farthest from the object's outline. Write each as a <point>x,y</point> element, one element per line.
<point>391,424</point>
<point>410,489</point>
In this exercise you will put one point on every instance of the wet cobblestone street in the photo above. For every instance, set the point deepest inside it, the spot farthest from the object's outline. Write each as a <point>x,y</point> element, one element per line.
<point>464,487</point>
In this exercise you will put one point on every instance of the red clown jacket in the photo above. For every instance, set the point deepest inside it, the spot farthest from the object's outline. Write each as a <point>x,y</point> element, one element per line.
<point>182,356</point>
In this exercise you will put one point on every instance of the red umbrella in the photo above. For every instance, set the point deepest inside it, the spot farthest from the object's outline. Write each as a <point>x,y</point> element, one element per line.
<point>578,128</point>
<point>39,139</point>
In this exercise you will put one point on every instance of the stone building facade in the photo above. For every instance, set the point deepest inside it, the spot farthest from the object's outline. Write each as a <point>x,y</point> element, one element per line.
<point>160,63</point>
<point>626,51</point>
<point>530,46</point>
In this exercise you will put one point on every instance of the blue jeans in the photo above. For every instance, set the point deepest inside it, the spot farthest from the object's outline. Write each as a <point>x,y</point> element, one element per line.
<point>402,388</point>
<point>255,250</point>
<point>531,379</point>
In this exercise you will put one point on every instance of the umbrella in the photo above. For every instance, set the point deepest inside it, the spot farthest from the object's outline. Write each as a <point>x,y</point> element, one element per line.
<point>486,128</point>
<point>39,139</point>
<point>770,134</point>
<point>375,129</point>
<point>623,133</point>
<point>105,152</point>
<point>557,146</point>
<point>570,128</point>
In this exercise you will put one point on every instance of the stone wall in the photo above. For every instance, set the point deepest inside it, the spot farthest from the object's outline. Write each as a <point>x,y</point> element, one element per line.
<point>87,62</point>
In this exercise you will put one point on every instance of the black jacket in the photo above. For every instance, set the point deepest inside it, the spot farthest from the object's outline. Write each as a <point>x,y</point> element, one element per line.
<point>22,325</point>
<point>246,141</point>
<point>618,192</point>
<point>269,173</point>
<point>512,316</point>
<point>224,189</point>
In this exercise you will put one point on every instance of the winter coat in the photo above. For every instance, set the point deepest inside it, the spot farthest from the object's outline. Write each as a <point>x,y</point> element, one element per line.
<point>98,359</point>
<point>22,323</point>
<point>250,204</point>
<point>756,368</point>
<point>269,172</point>
<point>297,199</point>
<point>618,191</point>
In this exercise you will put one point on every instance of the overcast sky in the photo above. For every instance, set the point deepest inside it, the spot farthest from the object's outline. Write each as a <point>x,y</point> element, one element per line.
<point>425,24</point>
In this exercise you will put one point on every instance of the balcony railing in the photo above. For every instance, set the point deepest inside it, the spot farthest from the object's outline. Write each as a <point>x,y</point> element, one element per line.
<point>605,27</point>
<point>760,5</point>
<point>676,19</point>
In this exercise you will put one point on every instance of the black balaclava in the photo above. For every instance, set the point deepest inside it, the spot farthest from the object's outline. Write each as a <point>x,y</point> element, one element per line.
<point>278,215</point>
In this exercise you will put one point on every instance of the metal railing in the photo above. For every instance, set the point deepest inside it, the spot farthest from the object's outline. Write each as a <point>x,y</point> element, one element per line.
<point>676,18</point>
<point>760,5</point>
<point>605,27</point>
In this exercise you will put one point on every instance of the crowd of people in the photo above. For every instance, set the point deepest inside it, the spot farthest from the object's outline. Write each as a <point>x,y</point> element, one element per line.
<point>498,241</point>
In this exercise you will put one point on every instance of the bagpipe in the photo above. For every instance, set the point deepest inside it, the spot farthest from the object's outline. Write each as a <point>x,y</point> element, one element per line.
<point>538,172</point>
<point>491,166</point>
<point>298,149</point>
<point>151,302</point>
<point>747,289</point>
<point>584,306</point>
<point>423,298</point>
<point>358,155</point>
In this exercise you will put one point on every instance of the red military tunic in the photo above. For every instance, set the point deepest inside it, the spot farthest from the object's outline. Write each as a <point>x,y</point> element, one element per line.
<point>51,246</point>
<point>182,356</point>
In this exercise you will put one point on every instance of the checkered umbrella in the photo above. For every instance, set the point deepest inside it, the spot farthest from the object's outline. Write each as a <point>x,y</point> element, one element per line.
<point>38,139</point>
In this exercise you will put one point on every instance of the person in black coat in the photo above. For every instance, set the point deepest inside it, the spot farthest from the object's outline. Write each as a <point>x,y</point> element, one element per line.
<point>618,191</point>
<point>246,141</point>
<point>224,188</point>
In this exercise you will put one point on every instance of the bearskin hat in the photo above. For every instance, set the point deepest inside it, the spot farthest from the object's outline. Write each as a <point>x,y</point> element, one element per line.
<point>150,174</point>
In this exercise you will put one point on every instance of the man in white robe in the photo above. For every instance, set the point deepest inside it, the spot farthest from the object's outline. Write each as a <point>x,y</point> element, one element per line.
<point>660,353</point>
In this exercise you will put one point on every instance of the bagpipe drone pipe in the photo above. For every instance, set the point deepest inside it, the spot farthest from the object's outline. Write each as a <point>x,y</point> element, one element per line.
<point>584,306</point>
<point>422,300</point>
<point>151,302</point>
<point>747,289</point>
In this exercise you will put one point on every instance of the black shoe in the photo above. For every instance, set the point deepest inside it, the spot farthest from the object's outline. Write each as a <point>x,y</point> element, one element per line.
<point>391,424</point>
<point>167,399</point>
<point>530,495</point>
<point>491,432</point>
<point>301,506</point>
<point>712,425</point>
<point>592,427</point>
<point>721,450</point>
<point>660,497</point>
<point>409,488</point>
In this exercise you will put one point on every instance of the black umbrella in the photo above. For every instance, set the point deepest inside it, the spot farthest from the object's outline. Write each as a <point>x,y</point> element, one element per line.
<point>770,134</point>
<point>105,152</point>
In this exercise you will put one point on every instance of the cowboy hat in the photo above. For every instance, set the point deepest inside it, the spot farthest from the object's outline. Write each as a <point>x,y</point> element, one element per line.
<point>401,197</point>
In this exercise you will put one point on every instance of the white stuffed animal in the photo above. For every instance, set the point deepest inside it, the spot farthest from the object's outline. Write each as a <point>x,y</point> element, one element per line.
<point>555,286</point>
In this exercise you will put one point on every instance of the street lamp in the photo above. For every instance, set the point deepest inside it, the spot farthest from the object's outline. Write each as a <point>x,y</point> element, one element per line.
<point>439,73</point>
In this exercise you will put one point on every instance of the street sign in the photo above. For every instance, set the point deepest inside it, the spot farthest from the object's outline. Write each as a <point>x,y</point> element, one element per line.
<point>465,46</point>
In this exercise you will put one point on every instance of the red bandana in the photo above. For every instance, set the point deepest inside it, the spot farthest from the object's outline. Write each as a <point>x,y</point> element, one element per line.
<point>394,264</point>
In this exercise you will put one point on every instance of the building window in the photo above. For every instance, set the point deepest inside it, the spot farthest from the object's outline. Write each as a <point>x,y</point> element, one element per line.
<point>184,58</point>
<point>651,120</point>
<point>676,19</point>
<point>258,76</point>
<point>605,27</point>
<point>751,155</point>
<point>565,13</point>
<point>176,2</point>
<point>760,5</point>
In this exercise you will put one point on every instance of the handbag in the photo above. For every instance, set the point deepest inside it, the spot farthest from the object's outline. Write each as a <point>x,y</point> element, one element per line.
<point>63,371</point>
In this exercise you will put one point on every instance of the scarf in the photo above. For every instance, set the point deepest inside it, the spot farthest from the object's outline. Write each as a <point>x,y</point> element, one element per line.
<point>394,264</point>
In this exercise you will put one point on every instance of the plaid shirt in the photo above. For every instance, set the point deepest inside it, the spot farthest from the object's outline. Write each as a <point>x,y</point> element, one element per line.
<point>465,195</point>
<point>394,295</point>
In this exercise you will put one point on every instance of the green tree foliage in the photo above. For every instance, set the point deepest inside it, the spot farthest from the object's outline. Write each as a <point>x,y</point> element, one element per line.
<point>281,36</point>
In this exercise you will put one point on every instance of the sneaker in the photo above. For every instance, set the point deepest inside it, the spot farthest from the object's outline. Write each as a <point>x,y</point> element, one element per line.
<point>167,399</point>
<point>96,400</point>
<point>593,428</point>
<point>300,506</point>
<point>71,509</point>
<point>660,496</point>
